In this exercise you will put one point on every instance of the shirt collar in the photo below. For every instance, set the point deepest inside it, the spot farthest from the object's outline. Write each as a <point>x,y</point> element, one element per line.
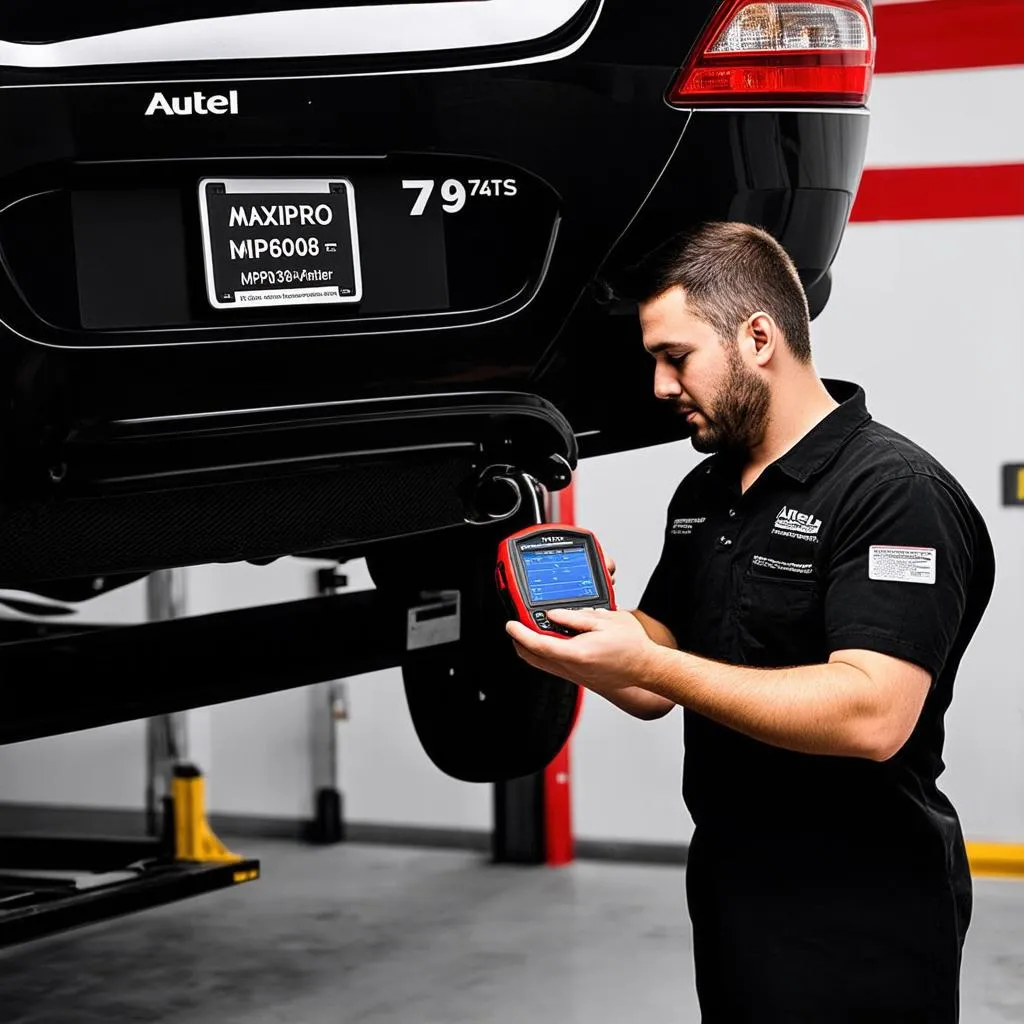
<point>818,447</point>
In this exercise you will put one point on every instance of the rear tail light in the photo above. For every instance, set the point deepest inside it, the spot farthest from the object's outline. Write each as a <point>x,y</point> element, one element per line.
<point>781,53</point>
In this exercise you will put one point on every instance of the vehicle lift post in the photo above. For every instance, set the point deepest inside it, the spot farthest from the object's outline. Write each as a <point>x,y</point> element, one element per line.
<point>328,703</point>
<point>166,735</point>
<point>175,788</point>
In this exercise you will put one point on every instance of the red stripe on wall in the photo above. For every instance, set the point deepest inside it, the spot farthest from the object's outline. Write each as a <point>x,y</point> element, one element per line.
<point>947,34</point>
<point>567,505</point>
<point>940,193</point>
<point>558,839</point>
<point>558,835</point>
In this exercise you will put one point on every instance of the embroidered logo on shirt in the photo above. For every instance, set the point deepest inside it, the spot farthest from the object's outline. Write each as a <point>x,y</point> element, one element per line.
<point>684,527</point>
<point>791,523</point>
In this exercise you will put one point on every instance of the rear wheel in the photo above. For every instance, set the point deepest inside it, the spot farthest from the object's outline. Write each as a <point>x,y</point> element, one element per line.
<point>484,715</point>
<point>481,713</point>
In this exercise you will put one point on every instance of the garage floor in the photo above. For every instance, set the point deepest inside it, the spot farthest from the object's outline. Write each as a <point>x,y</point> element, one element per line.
<point>358,934</point>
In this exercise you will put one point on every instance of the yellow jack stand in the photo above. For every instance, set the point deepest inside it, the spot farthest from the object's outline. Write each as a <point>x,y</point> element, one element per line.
<point>194,840</point>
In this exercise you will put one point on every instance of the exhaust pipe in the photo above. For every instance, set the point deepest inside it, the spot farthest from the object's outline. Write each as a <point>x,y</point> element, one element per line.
<point>494,495</point>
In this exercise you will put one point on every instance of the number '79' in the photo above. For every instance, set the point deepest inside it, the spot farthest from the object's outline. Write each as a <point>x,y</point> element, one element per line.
<point>454,192</point>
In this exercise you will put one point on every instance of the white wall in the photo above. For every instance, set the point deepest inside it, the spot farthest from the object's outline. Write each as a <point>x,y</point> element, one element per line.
<point>105,767</point>
<point>627,774</point>
<point>926,319</point>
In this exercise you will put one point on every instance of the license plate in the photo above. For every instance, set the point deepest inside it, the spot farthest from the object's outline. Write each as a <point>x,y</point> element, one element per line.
<point>279,242</point>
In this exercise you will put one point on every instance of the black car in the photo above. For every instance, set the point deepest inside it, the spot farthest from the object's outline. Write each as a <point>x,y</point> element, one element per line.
<point>285,277</point>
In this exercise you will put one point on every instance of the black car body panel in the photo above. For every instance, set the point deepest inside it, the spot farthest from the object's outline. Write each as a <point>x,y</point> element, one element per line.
<point>105,317</point>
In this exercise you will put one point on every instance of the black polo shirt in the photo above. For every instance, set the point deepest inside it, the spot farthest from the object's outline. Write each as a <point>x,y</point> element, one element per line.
<point>856,538</point>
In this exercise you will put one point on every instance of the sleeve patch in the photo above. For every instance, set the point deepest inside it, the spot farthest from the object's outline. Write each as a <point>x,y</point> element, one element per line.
<point>902,565</point>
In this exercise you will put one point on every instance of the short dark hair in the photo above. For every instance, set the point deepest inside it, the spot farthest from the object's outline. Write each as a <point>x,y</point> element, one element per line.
<point>728,271</point>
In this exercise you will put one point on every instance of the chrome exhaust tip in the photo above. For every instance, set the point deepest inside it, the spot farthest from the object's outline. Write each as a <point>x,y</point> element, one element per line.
<point>493,496</point>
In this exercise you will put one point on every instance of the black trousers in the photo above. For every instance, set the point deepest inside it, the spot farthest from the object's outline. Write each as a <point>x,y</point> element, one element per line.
<point>818,931</point>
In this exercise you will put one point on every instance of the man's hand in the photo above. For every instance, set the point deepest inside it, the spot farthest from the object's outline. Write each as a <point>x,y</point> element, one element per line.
<point>611,652</point>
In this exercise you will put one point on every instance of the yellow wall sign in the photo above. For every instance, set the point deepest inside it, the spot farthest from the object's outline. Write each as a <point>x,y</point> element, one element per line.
<point>1013,485</point>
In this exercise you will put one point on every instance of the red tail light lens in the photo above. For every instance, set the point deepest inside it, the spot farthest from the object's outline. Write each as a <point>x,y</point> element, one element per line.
<point>781,53</point>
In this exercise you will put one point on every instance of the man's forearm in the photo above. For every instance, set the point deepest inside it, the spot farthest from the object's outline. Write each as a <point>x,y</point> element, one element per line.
<point>640,703</point>
<point>635,700</point>
<point>814,709</point>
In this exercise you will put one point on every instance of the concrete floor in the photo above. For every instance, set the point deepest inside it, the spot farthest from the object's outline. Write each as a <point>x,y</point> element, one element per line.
<point>375,935</point>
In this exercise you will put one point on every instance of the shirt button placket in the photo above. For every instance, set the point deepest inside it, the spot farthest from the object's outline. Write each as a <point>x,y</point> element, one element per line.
<point>728,540</point>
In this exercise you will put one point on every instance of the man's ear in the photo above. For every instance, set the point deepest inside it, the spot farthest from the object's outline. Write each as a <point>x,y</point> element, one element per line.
<point>764,332</point>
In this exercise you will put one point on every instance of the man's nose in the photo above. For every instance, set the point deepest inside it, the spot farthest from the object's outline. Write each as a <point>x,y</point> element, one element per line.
<point>666,383</point>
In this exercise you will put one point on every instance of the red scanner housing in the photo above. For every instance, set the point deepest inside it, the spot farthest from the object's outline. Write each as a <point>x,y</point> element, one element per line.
<point>548,566</point>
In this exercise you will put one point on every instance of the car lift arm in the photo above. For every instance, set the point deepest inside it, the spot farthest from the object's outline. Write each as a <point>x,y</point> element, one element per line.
<point>93,678</point>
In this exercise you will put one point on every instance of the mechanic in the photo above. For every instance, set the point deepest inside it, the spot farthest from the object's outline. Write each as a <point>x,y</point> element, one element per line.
<point>820,579</point>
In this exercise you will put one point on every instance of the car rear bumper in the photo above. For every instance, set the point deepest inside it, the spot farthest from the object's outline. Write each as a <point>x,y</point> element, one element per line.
<point>134,496</point>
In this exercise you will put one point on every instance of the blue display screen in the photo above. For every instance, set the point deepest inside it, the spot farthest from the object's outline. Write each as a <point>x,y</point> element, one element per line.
<point>561,574</point>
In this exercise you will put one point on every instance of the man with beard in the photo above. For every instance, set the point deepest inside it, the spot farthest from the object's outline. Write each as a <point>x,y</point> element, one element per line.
<point>820,580</point>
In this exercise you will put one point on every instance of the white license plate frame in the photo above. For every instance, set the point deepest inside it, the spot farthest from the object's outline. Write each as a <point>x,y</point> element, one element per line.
<point>259,237</point>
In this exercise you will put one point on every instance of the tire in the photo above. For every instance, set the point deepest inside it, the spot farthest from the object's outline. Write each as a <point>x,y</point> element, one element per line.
<point>484,715</point>
<point>480,712</point>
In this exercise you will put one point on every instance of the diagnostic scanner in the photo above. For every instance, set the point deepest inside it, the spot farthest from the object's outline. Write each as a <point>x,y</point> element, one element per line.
<point>551,566</point>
